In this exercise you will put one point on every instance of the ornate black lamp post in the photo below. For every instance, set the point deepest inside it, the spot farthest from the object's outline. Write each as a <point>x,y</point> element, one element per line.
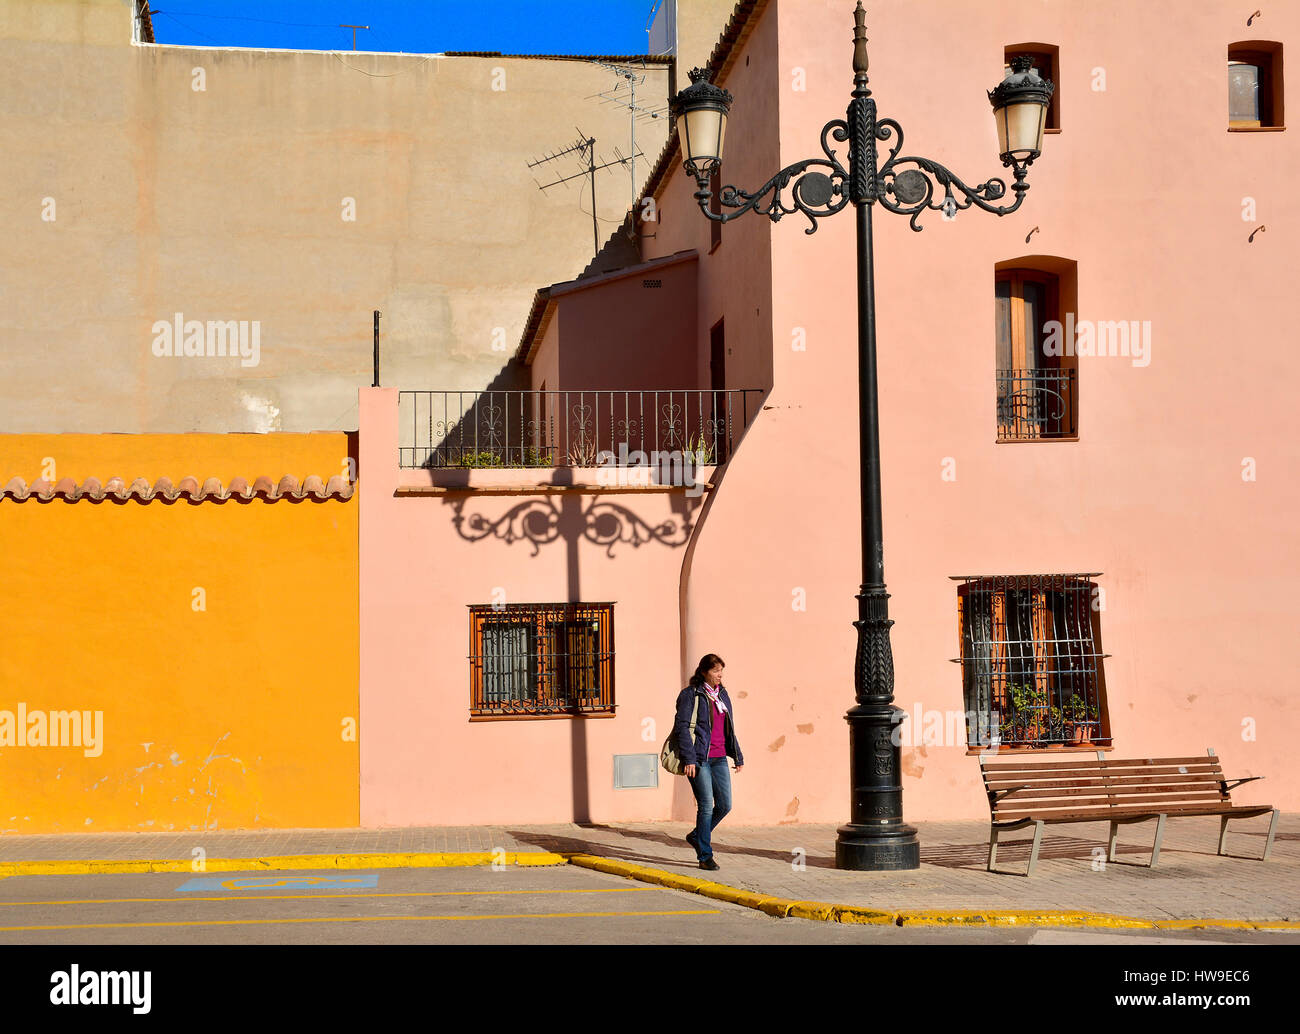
<point>876,837</point>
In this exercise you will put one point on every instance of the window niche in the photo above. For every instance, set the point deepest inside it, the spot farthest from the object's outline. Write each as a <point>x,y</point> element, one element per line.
<point>1255,95</point>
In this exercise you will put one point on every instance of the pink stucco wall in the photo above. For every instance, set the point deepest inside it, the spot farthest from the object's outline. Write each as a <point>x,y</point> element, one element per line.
<point>1144,189</point>
<point>627,330</point>
<point>545,367</point>
<point>1197,562</point>
<point>422,760</point>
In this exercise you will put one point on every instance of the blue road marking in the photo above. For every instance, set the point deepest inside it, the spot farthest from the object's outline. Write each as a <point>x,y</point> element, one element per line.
<point>283,882</point>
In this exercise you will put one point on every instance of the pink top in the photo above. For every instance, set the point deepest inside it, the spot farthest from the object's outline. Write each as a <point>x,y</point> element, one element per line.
<point>718,740</point>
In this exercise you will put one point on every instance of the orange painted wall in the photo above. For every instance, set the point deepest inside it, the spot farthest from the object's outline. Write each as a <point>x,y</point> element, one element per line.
<point>231,716</point>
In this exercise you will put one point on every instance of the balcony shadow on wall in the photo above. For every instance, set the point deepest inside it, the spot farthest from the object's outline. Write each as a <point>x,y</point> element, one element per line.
<point>576,517</point>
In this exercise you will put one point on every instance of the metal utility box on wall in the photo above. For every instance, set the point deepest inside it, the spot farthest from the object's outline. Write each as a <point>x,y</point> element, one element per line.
<point>636,771</point>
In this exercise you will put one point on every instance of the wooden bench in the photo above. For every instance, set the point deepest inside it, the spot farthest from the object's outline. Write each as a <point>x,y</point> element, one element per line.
<point>1075,789</point>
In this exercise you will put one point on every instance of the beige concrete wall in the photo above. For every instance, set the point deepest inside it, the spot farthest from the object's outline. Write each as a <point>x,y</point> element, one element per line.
<point>227,204</point>
<point>699,26</point>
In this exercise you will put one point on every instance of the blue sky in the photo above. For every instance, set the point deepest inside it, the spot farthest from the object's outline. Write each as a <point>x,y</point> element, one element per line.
<point>418,26</point>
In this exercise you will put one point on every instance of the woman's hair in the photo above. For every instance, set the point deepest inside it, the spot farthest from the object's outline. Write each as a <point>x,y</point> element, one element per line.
<point>702,669</point>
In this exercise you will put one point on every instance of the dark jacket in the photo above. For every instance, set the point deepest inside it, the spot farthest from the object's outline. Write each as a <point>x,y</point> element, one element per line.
<point>694,753</point>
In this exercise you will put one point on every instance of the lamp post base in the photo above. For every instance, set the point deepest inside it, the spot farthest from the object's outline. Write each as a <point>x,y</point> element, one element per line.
<point>876,838</point>
<point>877,848</point>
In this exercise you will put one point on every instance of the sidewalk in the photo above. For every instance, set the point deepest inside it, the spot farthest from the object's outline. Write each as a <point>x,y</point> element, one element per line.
<point>1189,883</point>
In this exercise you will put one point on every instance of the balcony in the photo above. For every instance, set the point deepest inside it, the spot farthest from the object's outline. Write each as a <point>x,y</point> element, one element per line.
<point>1036,404</point>
<point>576,428</point>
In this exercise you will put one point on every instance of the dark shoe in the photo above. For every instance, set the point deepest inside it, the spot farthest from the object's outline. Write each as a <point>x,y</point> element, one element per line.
<point>710,864</point>
<point>695,844</point>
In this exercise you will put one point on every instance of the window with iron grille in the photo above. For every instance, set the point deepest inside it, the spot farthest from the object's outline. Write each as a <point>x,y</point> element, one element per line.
<point>1031,662</point>
<point>1036,385</point>
<point>541,660</point>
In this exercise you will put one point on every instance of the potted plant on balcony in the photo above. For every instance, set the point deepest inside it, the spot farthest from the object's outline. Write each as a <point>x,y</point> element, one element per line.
<point>701,451</point>
<point>582,453</point>
<point>529,457</point>
<point>1056,734</point>
<point>1029,713</point>
<point>1080,716</point>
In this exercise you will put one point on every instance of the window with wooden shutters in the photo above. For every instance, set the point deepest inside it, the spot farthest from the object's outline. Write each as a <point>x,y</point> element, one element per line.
<point>1035,384</point>
<point>1032,674</point>
<point>541,660</point>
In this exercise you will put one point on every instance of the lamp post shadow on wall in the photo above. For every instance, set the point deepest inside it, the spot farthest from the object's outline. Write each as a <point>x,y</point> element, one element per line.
<point>875,838</point>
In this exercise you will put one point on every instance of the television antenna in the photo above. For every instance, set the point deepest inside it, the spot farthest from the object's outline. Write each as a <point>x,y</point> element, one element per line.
<point>354,32</point>
<point>584,148</point>
<point>623,93</point>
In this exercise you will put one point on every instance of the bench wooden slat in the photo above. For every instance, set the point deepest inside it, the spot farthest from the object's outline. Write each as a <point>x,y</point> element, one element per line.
<point>1105,814</point>
<point>1051,809</point>
<point>1035,794</point>
<point>1147,780</point>
<point>1169,775</point>
<point>1070,766</point>
<point>1050,771</point>
<point>1103,800</point>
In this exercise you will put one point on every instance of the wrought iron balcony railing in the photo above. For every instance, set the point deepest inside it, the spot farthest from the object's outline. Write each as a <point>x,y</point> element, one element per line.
<point>568,428</point>
<point>1036,404</point>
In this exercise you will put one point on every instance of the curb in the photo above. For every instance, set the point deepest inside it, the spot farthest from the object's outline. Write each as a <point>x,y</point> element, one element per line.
<point>779,908</point>
<point>390,860</point>
<point>826,912</point>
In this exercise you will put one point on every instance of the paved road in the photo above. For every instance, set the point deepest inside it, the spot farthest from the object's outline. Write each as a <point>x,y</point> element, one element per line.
<point>553,905</point>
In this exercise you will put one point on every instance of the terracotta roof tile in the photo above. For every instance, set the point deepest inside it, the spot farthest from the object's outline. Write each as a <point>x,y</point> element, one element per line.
<point>211,490</point>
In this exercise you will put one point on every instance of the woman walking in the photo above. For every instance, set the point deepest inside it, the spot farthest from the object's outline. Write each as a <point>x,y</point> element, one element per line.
<point>706,704</point>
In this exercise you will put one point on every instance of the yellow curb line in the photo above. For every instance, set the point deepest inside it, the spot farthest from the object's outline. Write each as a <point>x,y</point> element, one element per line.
<point>389,860</point>
<point>827,912</point>
<point>1227,924</point>
<point>780,908</point>
<point>995,917</point>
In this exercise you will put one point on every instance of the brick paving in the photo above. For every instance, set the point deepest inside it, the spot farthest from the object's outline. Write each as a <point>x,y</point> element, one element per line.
<point>1190,882</point>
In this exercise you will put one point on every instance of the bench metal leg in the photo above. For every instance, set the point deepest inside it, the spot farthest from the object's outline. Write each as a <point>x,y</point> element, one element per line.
<point>1268,842</point>
<point>993,846</point>
<point>1033,851</point>
<point>1272,828</point>
<point>1155,851</point>
<point>1114,836</point>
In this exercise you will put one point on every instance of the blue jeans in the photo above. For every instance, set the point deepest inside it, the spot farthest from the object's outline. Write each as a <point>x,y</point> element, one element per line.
<point>712,786</point>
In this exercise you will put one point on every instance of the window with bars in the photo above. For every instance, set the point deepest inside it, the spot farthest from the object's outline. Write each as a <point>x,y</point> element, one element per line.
<point>541,660</point>
<point>1031,661</point>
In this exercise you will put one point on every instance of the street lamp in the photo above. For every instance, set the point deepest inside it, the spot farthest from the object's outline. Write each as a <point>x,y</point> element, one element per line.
<point>876,837</point>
